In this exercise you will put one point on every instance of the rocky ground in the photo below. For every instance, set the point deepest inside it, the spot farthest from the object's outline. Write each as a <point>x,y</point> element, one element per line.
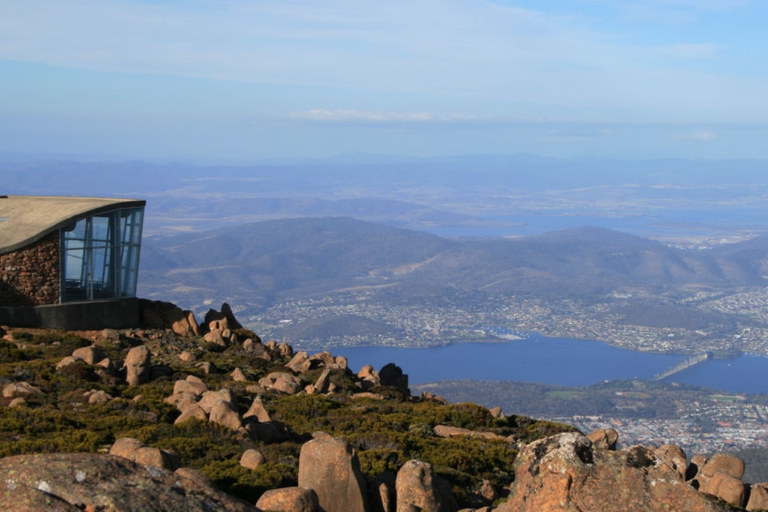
<point>185,417</point>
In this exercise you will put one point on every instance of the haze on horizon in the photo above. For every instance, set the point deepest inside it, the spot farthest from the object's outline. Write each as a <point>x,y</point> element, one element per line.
<point>247,81</point>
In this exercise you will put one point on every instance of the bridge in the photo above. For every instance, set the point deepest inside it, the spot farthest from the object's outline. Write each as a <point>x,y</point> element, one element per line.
<point>682,365</point>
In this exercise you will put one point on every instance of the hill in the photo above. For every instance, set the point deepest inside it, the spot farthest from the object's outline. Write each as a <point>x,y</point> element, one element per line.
<point>297,257</point>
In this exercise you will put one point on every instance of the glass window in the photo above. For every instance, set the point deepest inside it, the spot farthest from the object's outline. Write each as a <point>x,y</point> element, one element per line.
<point>100,256</point>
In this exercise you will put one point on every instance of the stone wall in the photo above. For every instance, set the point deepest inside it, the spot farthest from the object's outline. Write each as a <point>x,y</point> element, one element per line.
<point>30,276</point>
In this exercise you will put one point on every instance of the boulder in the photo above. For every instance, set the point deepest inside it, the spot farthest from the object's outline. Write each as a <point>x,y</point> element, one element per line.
<point>289,499</point>
<point>565,473</point>
<point>98,397</point>
<point>222,413</point>
<point>392,375</point>
<point>238,375</point>
<point>300,362</point>
<point>17,402</point>
<point>216,337</point>
<point>369,377</point>
<point>252,459</point>
<point>182,400</point>
<point>191,412</point>
<point>321,386</point>
<point>134,450</point>
<point>381,492</point>
<point>20,390</point>
<point>110,334</point>
<point>729,489</point>
<point>191,384</point>
<point>90,355</point>
<point>323,360</point>
<point>604,438</point>
<point>418,489</point>
<point>224,319</point>
<point>674,457</point>
<point>496,412</point>
<point>448,431</point>
<point>232,322</point>
<point>254,349</point>
<point>90,481</point>
<point>282,383</point>
<point>724,463</point>
<point>698,461</point>
<point>165,315</point>
<point>137,365</point>
<point>258,411</point>
<point>65,362</point>
<point>210,398</point>
<point>284,349</point>
<point>330,466</point>
<point>758,497</point>
<point>187,357</point>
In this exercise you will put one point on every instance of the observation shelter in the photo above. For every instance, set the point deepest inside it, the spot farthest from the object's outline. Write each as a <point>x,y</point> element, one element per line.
<point>69,262</point>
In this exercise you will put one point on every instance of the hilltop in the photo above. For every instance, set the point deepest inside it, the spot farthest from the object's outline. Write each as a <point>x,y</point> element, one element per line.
<point>105,420</point>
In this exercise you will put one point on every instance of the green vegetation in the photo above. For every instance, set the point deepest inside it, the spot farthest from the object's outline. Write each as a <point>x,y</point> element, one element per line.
<point>385,432</point>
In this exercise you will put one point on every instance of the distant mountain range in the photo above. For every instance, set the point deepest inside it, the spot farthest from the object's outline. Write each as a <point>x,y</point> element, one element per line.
<point>267,261</point>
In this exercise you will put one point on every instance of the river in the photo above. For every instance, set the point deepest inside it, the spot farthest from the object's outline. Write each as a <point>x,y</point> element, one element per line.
<point>567,362</point>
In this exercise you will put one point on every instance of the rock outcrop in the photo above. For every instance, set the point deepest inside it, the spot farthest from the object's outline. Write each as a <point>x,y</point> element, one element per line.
<point>567,473</point>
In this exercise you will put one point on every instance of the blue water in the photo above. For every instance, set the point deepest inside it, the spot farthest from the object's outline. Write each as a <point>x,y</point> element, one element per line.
<point>565,362</point>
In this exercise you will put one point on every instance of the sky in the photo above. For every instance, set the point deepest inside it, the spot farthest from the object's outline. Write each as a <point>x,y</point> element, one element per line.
<point>258,80</point>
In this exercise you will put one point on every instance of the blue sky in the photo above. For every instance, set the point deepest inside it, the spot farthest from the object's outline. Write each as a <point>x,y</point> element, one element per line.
<point>250,80</point>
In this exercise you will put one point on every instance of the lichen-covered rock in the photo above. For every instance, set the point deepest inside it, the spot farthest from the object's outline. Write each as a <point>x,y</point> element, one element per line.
<point>418,489</point>
<point>564,473</point>
<point>88,481</point>
<point>289,499</point>
<point>330,466</point>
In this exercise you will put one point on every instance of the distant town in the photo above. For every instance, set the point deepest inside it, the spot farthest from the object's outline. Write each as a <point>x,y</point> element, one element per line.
<point>471,316</point>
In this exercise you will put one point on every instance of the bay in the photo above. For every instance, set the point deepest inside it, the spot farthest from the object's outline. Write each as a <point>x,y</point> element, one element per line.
<point>561,361</point>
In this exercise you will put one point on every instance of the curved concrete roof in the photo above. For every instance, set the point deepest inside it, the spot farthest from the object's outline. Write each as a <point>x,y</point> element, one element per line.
<point>26,219</point>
